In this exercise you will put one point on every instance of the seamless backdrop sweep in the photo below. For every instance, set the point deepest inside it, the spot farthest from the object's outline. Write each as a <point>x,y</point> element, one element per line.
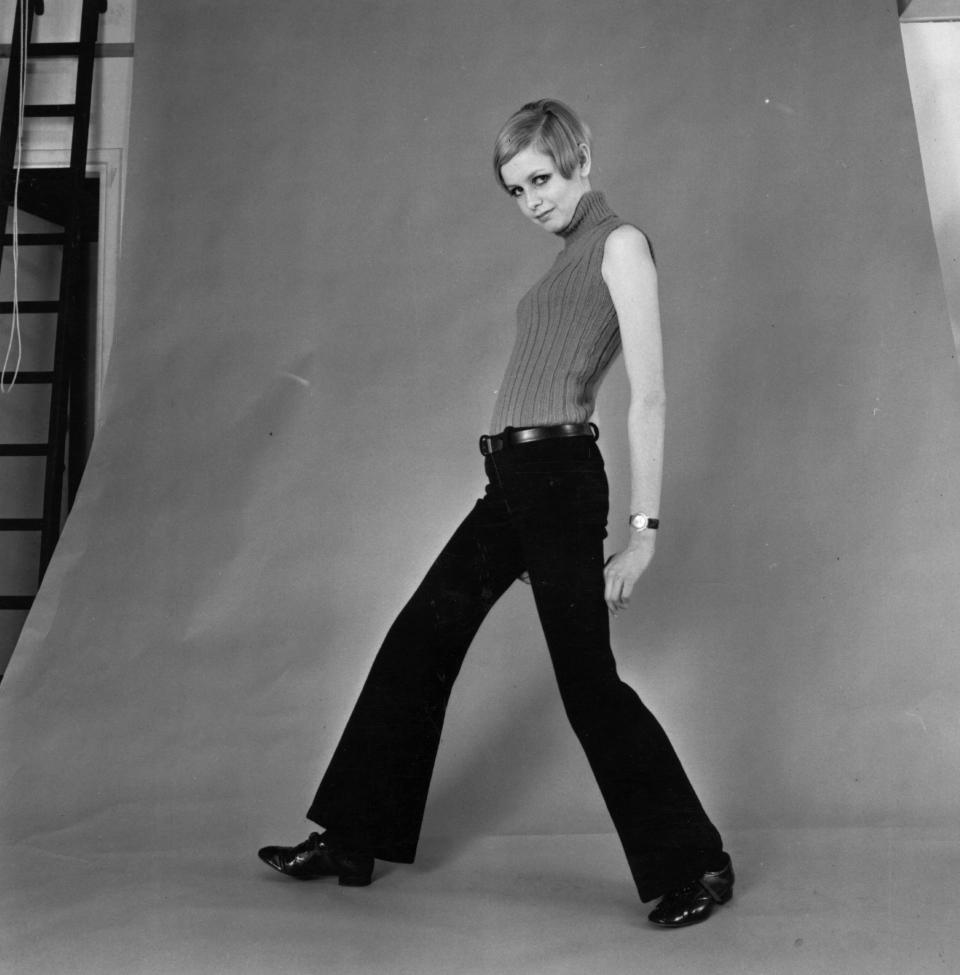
<point>318,291</point>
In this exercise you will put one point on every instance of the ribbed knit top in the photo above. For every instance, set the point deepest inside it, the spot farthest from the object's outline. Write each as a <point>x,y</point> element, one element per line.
<point>567,330</point>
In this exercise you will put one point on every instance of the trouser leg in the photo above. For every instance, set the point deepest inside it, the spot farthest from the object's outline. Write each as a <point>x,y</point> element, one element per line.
<point>375,788</point>
<point>665,832</point>
<point>666,835</point>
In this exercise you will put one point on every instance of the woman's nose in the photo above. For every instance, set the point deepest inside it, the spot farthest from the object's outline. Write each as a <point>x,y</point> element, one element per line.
<point>533,201</point>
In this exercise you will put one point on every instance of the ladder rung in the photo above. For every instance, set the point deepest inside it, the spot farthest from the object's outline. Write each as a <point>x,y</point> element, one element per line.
<point>30,307</point>
<point>49,111</point>
<point>21,524</point>
<point>56,49</point>
<point>34,240</point>
<point>16,602</point>
<point>24,449</point>
<point>27,378</point>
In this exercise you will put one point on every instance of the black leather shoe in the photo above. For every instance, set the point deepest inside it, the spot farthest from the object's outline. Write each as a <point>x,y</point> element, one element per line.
<point>695,901</point>
<point>320,856</point>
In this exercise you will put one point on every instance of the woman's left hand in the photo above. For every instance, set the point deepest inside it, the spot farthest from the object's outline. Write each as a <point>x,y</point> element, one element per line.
<point>621,572</point>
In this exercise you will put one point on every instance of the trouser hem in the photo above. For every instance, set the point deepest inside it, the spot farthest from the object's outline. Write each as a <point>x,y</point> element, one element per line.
<point>657,876</point>
<point>391,852</point>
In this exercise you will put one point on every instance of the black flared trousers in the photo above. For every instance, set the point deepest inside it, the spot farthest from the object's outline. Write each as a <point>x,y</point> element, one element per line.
<point>544,512</point>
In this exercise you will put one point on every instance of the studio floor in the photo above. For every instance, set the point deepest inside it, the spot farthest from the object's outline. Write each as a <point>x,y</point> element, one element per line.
<point>882,901</point>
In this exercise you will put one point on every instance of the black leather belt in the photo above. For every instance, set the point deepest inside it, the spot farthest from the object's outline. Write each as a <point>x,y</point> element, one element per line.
<point>513,436</point>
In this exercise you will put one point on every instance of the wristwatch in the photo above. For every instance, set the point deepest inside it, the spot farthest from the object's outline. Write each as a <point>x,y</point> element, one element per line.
<point>640,522</point>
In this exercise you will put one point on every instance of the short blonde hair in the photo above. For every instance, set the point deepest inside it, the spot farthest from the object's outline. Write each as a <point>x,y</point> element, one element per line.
<point>548,126</point>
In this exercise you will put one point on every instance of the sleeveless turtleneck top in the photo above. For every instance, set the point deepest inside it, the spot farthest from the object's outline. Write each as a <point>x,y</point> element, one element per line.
<point>567,330</point>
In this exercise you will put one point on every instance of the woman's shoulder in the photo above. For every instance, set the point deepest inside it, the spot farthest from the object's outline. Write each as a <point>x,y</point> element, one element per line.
<point>627,243</point>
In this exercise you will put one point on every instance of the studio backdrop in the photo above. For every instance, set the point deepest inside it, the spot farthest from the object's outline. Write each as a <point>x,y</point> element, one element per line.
<point>317,302</point>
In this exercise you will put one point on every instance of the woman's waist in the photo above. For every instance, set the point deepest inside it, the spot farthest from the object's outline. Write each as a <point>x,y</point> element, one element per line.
<point>512,438</point>
<point>553,450</point>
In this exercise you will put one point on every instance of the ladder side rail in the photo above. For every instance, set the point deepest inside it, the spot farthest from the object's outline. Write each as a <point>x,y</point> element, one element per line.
<point>72,267</point>
<point>10,120</point>
<point>11,100</point>
<point>79,409</point>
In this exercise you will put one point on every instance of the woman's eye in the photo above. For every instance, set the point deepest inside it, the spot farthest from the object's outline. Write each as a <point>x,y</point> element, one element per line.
<point>514,191</point>
<point>540,180</point>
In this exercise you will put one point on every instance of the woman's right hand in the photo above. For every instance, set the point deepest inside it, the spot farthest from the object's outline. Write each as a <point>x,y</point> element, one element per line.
<point>621,571</point>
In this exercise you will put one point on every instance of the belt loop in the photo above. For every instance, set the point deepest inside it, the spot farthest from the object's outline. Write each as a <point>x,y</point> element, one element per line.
<point>596,431</point>
<point>485,445</point>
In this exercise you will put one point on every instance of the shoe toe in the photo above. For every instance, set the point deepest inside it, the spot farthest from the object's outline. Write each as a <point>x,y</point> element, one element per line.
<point>271,856</point>
<point>679,915</point>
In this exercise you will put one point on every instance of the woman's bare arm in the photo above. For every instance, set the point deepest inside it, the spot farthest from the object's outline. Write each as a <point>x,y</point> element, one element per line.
<point>631,277</point>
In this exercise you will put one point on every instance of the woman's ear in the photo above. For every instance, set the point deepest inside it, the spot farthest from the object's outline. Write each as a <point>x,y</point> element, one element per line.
<point>583,151</point>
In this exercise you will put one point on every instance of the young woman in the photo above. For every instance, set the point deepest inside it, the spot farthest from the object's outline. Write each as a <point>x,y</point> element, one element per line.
<point>543,517</point>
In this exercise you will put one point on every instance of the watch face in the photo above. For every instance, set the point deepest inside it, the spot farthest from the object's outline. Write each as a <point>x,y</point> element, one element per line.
<point>639,522</point>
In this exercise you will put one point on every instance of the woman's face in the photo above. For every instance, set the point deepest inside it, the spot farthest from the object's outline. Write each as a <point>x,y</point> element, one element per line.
<point>542,193</point>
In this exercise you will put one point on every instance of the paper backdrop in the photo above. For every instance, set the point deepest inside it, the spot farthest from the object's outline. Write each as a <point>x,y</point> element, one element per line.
<point>318,290</point>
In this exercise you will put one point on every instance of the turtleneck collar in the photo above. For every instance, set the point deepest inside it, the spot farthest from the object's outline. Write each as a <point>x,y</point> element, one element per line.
<point>591,209</point>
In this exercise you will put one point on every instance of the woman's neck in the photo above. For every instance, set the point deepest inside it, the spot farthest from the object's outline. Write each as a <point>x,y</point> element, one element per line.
<point>590,210</point>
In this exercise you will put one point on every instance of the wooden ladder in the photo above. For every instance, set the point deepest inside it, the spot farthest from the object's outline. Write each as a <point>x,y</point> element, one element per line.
<point>60,195</point>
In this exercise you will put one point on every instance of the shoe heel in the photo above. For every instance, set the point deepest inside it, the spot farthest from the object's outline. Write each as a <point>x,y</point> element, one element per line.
<point>355,879</point>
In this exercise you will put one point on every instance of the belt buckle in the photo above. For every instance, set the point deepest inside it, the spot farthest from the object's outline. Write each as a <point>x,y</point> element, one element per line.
<point>491,443</point>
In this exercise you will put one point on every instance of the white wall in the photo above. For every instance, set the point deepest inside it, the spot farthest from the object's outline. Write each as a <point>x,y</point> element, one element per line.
<point>932,53</point>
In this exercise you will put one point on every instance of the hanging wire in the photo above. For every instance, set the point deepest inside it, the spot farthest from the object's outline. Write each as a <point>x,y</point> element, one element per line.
<point>15,333</point>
